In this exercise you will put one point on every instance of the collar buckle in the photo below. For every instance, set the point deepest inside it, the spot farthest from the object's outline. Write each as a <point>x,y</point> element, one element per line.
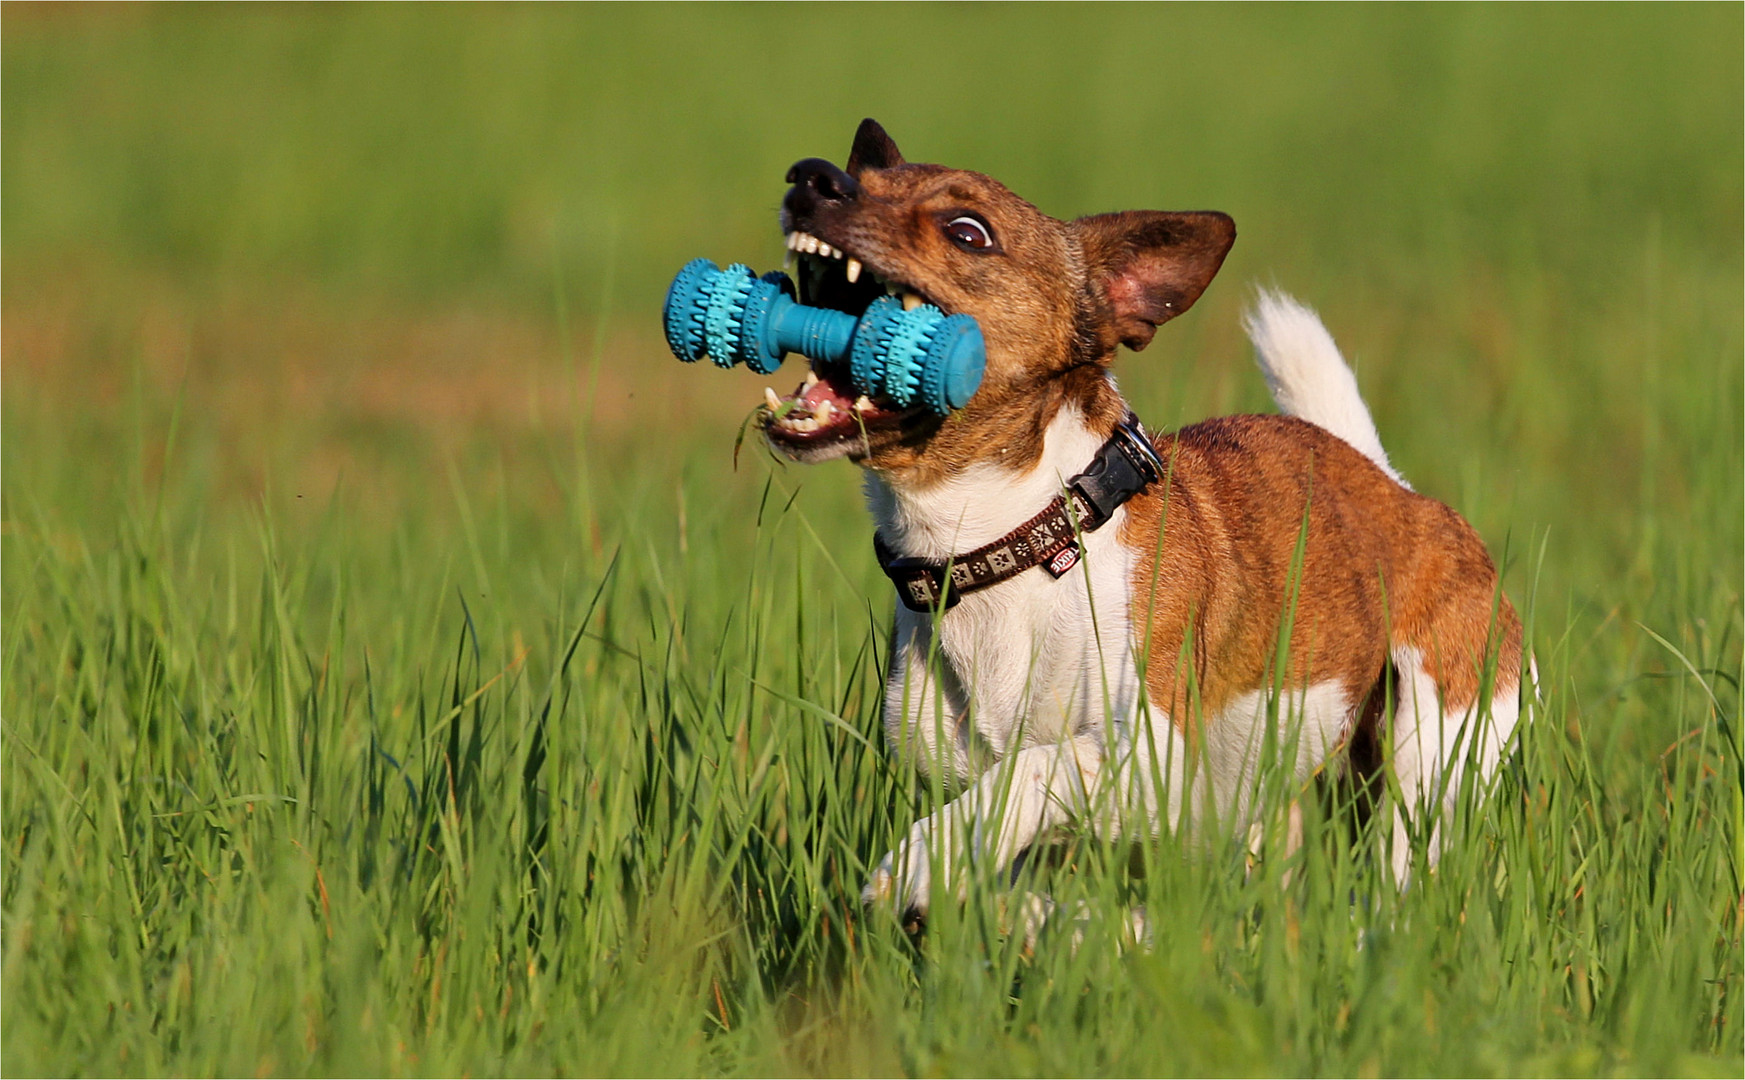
<point>1122,468</point>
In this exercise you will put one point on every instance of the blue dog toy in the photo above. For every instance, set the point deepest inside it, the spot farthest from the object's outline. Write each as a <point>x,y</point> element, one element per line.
<point>919,356</point>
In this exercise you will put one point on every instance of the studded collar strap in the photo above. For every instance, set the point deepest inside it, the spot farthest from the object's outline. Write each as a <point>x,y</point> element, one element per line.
<point>1121,469</point>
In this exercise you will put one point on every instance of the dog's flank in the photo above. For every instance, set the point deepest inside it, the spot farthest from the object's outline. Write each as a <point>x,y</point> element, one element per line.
<point>1089,695</point>
<point>1380,564</point>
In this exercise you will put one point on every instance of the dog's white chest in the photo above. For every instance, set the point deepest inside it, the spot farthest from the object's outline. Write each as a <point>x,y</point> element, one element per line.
<point>1033,660</point>
<point>1046,660</point>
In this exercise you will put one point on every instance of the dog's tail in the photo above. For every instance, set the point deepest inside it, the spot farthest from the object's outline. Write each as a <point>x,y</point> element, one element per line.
<point>1307,376</point>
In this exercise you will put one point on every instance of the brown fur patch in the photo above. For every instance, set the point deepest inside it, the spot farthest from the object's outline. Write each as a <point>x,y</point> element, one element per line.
<point>1381,567</point>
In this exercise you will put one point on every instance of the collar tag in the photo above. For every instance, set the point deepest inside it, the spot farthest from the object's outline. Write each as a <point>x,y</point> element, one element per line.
<point>1065,559</point>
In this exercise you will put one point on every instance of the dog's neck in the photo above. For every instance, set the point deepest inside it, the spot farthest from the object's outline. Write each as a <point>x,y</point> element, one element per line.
<point>978,503</point>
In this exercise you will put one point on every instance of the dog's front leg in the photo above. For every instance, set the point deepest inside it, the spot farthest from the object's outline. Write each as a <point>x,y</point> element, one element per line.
<point>926,709</point>
<point>1013,803</point>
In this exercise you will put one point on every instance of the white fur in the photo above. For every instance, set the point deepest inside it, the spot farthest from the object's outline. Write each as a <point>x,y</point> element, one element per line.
<point>1307,376</point>
<point>1309,724</point>
<point>1431,750</point>
<point>1032,660</point>
<point>1024,676</point>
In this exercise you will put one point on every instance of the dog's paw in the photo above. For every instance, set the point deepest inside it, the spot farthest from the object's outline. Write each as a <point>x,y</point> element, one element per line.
<point>903,880</point>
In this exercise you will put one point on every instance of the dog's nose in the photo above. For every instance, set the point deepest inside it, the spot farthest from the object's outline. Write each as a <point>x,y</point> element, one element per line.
<point>817,182</point>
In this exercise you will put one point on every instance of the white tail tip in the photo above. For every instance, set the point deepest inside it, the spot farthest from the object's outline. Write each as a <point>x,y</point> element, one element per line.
<point>1307,376</point>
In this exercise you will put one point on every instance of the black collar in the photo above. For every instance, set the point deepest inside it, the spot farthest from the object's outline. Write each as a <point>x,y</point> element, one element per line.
<point>1122,468</point>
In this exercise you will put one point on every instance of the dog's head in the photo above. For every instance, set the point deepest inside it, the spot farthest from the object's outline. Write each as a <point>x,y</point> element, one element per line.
<point>1053,299</point>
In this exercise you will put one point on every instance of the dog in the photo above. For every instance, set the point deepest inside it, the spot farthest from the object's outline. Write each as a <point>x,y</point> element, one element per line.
<point>1089,617</point>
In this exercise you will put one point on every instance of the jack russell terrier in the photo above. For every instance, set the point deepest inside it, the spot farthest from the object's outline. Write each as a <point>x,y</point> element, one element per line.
<point>1089,616</point>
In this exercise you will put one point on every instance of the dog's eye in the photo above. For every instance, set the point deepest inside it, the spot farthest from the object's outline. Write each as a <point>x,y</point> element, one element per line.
<point>967,232</point>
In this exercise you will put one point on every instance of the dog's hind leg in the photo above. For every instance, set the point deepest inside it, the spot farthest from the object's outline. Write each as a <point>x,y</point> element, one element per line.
<point>1434,741</point>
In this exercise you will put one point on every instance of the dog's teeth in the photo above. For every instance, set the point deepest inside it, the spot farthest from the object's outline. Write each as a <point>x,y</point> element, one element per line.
<point>863,404</point>
<point>813,244</point>
<point>853,271</point>
<point>911,301</point>
<point>793,239</point>
<point>811,378</point>
<point>770,399</point>
<point>825,409</point>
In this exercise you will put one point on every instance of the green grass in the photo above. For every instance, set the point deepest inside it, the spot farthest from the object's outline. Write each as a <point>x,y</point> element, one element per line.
<point>399,676</point>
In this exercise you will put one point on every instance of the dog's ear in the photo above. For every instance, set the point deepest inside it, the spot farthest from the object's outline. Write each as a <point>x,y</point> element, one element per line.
<point>873,149</point>
<point>1151,266</point>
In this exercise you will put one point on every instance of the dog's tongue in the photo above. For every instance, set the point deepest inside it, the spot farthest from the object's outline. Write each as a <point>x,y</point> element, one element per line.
<point>825,389</point>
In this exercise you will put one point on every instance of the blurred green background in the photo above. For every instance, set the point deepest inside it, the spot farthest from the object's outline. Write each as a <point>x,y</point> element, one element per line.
<point>455,151</point>
<point>319,322</point>
<point>333,230</point>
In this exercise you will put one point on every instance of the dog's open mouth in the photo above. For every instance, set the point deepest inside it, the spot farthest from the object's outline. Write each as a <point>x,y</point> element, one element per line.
<point>826,408</point>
